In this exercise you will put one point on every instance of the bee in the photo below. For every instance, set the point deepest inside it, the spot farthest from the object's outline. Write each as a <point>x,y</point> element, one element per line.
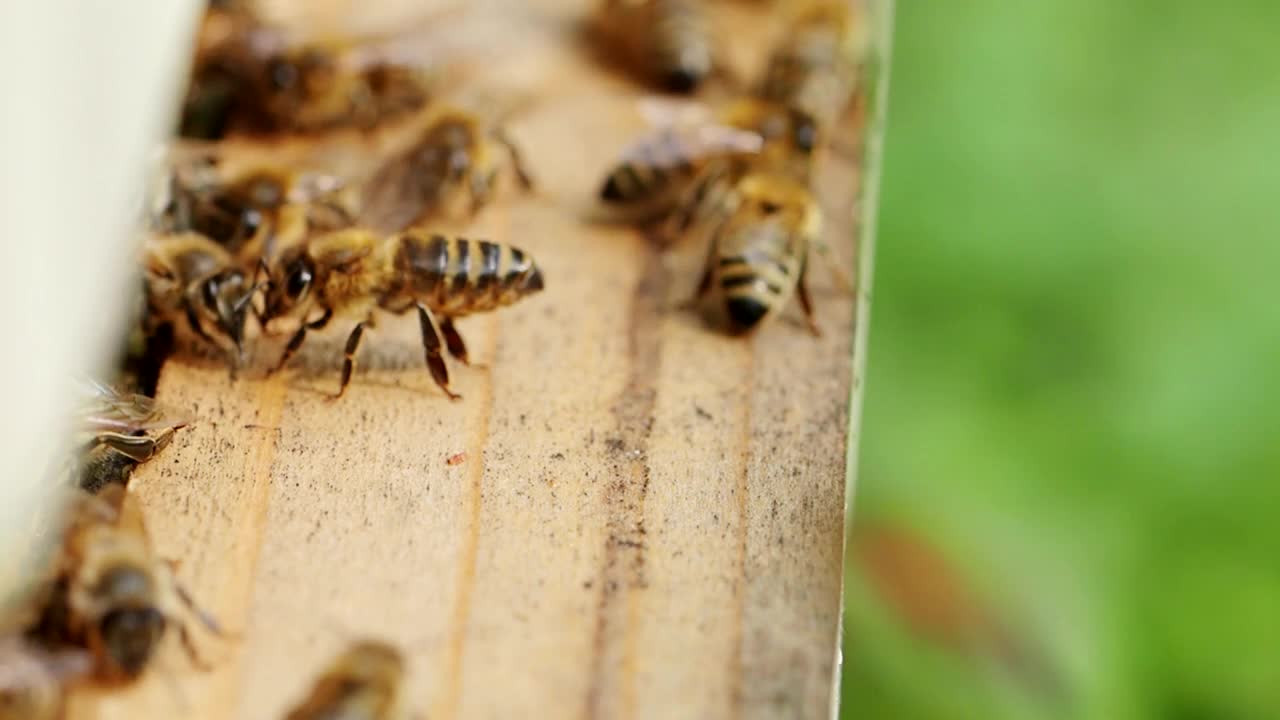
<point>254,210</point>
<point>355,271</point>
<point>654,171</point>
<point>456,152</point>
<point>33,679</point>
<point>117,430</point>
<point>815,67</point>
<point>669,41</point>
<point>363,683</point>
<point>112,595</point>
<point>657,171</point>
<point>760,247</point>
<point>319,87</point>
<point>189,277</point>
<point>245,79</point>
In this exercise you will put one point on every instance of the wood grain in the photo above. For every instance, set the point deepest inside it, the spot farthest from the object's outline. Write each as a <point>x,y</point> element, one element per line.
<point>648,521</point>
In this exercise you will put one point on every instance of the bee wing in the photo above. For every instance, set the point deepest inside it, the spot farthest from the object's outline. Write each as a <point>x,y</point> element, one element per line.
<point>400,192</point>
<point>109,409</point>
<point>663,112</point>
<point>26,666</point>
<point>677,145</point>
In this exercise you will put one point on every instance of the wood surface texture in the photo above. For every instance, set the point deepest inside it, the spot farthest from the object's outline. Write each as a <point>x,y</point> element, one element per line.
<point>648,522</point>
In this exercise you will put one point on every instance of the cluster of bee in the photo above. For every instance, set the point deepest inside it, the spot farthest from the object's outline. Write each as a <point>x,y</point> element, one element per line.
<point>286,246</point>
<point>235,253</point>
<point>741,176</point>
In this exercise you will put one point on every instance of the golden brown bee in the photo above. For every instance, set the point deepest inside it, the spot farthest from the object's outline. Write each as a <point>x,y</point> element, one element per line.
<point>255,210</point>
<point>353,272</point>
<point>457,152</point>
<point>658,172</point>
<point>760,248</point>
<point>815,67</point>
<point>112,595</point>
<point>117,430</point>
<point>654,171</point>
<point>245,80</point>
<point>362,683</point>
<point>120,421</point>
<point>190,278</point>
<point>33,679</point>
<point>668,41</point>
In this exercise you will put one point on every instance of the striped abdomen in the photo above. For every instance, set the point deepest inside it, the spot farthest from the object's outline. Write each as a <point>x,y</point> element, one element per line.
<point>660,165</point>
<point>679,44</point>
<point>652,170</point>
<point>761,249</point>
<point>757,271</point>
<point>459,276</point>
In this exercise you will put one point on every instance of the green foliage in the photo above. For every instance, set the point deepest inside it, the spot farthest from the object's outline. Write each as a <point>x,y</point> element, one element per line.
<point>1074,381</point>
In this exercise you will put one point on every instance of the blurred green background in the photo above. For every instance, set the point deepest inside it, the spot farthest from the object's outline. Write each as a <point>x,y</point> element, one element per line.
<point>1068,502</point>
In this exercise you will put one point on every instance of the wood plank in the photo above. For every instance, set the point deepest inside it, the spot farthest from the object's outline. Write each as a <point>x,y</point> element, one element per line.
<point>649,519</point>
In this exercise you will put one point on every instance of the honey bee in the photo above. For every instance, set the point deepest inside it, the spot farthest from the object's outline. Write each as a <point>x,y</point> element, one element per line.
<point>355,271</point>
<point>654,171</point>
<point>112,595</point>
<point>815,67</point>
<point>457,152</point>
<point>119,421</point>
<point>117,430</point>
<point>245,79</point>
<point>363,683</point>
<point>669,41</point>
<point>657,171</point>
<point>254,210</point>
<point>189,277</point>
<point>760,248</point>
<point>33,679</point>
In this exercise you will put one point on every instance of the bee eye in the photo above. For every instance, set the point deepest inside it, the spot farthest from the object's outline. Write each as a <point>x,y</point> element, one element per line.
<point>298,282</point>
<point>283,75</point>
<point>209,291</point>
<point>805,137</point>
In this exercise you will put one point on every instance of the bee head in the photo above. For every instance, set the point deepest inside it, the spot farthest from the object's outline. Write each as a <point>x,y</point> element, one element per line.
<point>224,300</point>
<point>128,633</point>
<point>128,637</point>
<point>290,283</point>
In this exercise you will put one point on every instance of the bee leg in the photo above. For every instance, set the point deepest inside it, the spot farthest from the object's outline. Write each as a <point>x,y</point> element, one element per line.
<point>517,160</point>
<point>189,647</point>
<point>806,303</point>
<point>431,345</point>
<point>837,272</point>
<point>296,341</point>
<point>208,621</point>
<point>349,356</point>
<point>453,341</point>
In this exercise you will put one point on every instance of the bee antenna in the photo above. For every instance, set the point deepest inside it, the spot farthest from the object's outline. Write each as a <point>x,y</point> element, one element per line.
<point>248,297</point>
<point>262,269</point>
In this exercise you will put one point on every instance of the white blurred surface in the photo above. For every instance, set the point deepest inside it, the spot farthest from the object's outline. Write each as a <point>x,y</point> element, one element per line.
<point>88,87</point>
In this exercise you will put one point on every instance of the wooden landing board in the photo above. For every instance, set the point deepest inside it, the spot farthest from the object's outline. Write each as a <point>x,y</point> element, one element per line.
<point>648,521</point>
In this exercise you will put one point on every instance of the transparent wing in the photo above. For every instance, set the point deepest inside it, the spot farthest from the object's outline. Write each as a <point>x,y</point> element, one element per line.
<point>36,674</point>
<point>684,132</point>
<point>675,145</point>
<point>105,408</point>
